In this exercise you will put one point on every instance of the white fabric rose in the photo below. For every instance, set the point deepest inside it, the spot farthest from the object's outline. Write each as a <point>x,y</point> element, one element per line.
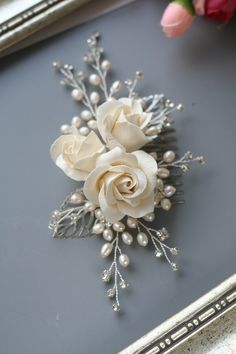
<point>122,122</point>
<point>76,155</point>
<point>122,184</point>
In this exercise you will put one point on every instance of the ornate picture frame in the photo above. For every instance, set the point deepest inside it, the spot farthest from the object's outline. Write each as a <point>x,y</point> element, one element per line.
<point>208,325</point>
<point>32,19</point>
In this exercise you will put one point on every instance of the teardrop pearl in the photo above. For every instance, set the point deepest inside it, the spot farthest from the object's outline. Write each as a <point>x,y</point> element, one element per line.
<point>118,226</point>
<point>169,191</point>
<point>166,204</point>
<point>127,238</point>
<point>124,260</point>
<point>142,239</point>
<point>106,249</point>
<point>149,217</point>
<point>98,228</point>
<point>108,235</point>
<point>163,172</point>
<point>131,222</point>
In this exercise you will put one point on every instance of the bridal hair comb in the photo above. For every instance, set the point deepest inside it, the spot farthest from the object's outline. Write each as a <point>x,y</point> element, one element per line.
<point>124,154</point>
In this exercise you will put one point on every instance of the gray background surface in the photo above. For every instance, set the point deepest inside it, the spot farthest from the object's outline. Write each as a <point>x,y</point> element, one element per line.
<point>52,298</point>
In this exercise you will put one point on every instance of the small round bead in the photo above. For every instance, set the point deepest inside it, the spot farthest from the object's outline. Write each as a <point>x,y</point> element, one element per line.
<point>86,115</point>
<point>94,97</point>
<point>127,238</point>
<point>84,131</point>
<point>142,239</point>
<point>169,156</point>
<point>92,124</point>
<point>106,65</point>
<point>169,191</point>
<point>118,226</point>
<point>108,235</point>
<point>56,64</point>
<point>131,222</point>
<point>106,249</point>
<point>98,228</point>
<point>166,204</point>
<point>94,79</point>
<point>116,86</point>
<point>151,131</point>
<point>76,122</point>
<point>77,94</point>
<point>124,260</point>
<point>56,213</point>
<point>76,198</point>
<point>89,206</point>
<point>149,217</point>
<point>163,172</point>
<point>65,129</point>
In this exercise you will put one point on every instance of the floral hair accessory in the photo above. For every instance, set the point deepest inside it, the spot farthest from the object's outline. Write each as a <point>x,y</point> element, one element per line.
<point>124,155</point>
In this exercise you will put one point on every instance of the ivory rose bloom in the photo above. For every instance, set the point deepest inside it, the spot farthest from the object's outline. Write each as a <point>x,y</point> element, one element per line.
<point>76,155</point>
<point>122,184</point>
<point>122,123</point>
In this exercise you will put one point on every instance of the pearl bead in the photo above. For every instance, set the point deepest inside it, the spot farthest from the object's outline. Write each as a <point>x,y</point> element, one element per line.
<point>149,217</point>
<point>76,122</point>
<point>99,215</point>
<point>106,65</point>
<point>56,64</point>
<point>89,206</point>
<point>92,124</point>
<point>166,204</point>
<point>151,131</point>
<point>142,239</point>
<point>163,172</point>
<point>108,235</point>
<point>160,184</point>
<point>84,131</point>
<point>98,228</point>
<point>56,214</point>
<point>169,156</point>
<point>77,94</point>
<point>131,222</point>
<point>94,97</point>
<point>124,260</point>
<point>127,238</point>
<point>65,129</point>
<point>94,79</point>
<point>76,198</point>
<point>116,86</point>
<point>169,191</point>
<point>118,226</point>
<point>106,249</point>
<point>86,115</point>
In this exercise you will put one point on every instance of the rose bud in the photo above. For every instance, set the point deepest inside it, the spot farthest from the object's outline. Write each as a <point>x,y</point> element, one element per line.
<point>177,18</point>
<point>221,10</point>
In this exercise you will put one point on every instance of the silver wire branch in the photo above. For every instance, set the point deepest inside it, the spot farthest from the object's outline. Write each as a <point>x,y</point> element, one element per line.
<point>113,271</point>
<point>161,248</point>
<point>76,83</point>
<point>183,162</point>
<point>132,83</point>
<point>72,221</point>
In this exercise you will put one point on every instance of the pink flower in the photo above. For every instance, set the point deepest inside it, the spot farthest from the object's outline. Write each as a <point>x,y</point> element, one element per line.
<point>221,10</point>
<point>176,20</point>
